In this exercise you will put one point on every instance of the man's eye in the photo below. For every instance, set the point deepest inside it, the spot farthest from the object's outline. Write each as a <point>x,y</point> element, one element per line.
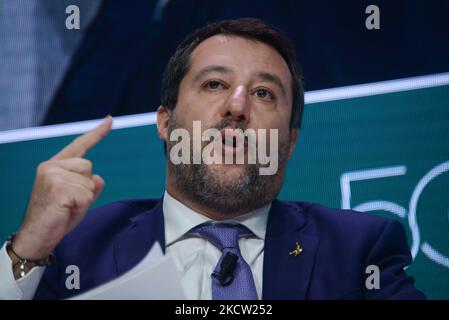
<point>264,94</point>
<point>213,85</point>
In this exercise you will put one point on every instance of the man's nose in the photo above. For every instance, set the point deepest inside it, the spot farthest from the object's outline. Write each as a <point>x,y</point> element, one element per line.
<point>237,106</point>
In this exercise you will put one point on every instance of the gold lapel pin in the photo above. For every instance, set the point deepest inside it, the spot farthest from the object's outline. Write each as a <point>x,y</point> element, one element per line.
<point>297,251</point>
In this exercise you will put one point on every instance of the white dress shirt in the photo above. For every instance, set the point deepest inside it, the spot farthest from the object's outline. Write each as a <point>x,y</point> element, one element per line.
<point>195,257</point>
<point>21,289</point>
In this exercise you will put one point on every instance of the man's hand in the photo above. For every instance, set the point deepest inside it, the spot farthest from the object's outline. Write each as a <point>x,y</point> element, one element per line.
<point>63,191</point>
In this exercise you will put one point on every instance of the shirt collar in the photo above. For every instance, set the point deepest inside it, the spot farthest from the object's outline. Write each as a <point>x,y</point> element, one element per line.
<point>179,219</point>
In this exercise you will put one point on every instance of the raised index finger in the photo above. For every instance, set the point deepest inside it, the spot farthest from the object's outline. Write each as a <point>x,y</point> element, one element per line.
<point>78,147</point>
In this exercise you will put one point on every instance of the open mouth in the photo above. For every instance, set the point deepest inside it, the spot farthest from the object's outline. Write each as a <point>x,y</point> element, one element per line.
<point>232,137</point>
<point>233,142</point>
<point>230,141</point>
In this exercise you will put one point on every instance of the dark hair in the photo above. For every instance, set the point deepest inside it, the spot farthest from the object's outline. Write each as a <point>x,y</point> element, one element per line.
<point>249,28</point>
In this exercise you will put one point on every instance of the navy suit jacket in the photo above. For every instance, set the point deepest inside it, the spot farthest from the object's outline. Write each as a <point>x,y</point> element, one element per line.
<point>337,245</point>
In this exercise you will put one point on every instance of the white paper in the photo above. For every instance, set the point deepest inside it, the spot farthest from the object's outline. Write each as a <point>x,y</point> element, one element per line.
<point>154,278</point>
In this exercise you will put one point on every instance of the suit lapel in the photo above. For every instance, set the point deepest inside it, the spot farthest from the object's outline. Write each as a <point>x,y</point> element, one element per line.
<point>287,276</point>
<point>133,243</point>
<point>284,276</point>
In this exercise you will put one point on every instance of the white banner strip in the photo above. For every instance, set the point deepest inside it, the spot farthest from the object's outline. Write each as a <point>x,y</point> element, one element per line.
<point>371,89</point>
<point>72,128</point>
<point>149,118</point>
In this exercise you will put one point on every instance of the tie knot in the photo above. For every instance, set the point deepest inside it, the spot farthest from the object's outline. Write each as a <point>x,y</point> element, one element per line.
<point>222,235</point>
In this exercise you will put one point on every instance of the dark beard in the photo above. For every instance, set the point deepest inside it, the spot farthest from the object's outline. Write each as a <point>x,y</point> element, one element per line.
<point>228,196</point>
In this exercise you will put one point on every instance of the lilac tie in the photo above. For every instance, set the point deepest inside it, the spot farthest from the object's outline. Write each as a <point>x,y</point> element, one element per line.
<point>226,238</point>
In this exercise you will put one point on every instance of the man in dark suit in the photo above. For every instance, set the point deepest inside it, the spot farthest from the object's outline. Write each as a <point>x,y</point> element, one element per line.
<point>229,236</point>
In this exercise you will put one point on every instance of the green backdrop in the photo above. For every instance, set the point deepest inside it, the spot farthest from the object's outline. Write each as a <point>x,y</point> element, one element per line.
<point>401,136</point>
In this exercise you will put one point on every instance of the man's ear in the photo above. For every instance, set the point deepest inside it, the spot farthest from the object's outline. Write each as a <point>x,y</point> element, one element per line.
<point>163,115</point>
<point>293,138</point>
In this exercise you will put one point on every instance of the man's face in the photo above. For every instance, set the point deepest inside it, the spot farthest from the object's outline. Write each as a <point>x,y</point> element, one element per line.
<point>233,82</point>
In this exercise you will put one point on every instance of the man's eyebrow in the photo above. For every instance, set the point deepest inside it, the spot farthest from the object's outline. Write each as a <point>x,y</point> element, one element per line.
<point>211,69</point>
<point>269,77</point>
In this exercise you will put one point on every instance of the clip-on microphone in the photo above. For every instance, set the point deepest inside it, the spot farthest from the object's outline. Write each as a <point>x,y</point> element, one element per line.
<point>227,268</point>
